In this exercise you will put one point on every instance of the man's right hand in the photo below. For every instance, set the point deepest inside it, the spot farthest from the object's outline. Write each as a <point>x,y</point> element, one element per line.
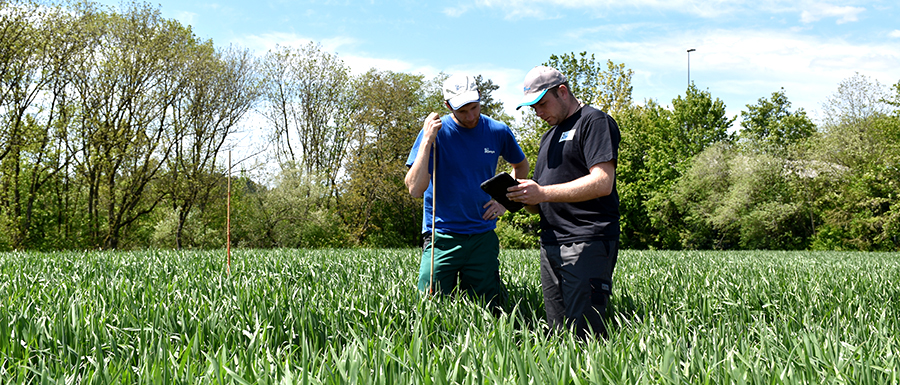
<point>527,192</point>
<point>432,126</point>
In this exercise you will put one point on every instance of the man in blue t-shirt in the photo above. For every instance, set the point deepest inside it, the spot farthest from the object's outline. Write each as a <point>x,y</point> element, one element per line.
<point>463,149</point>
<point>574,191</point>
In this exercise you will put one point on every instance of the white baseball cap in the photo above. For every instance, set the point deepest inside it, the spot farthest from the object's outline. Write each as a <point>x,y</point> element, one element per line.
<point>537,82</point>
<point>460,90</point>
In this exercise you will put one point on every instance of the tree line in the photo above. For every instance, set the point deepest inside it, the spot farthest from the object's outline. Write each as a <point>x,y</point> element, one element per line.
<point>114,126</point>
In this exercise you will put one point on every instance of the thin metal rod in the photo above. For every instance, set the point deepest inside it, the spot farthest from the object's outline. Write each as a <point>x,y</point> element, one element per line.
<point>228,217</point>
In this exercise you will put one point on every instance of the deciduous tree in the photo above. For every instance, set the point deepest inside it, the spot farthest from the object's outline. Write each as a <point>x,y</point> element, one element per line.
<point>389,110</point>
<point>222,86</point>
<point>306,94</point>
<point>857,201</point>
<point>607,89</point>
<point>771,126</point>
<point>126,86</point>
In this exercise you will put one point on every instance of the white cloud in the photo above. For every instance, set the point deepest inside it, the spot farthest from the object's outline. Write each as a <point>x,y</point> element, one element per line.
<point>738,66</point>
<point>810,11</point>
<point>455,11</point>
<point>341,46</point>
<point>186,18</point>
<point>844,14</point>
<point>741,66</point>
<point>360,64</point>
<point>265,42</point>
<point>548,9</point>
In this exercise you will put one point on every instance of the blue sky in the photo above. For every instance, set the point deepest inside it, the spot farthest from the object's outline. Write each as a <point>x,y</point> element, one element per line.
<point>745,50</point>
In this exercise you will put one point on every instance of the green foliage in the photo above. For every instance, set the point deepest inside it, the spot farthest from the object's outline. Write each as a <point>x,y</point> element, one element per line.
<point>5,244</point>
<point>699,120</point>
<point>395,228</point>
<point>745,200</point>
<point>489,106</point>
<point>113,124</point>
<point>519,230</point>
<point>116,113</point>
<point>784,186</point>
<point>583,73</point>
<point>287,215</point>
<point>894,100</point>
<point>306,92</point>
<point>32,61</point>
<point>857,201</point>
<point>197,232</point>
<point>658,147</point>
<point>528,134</point>
<point>223,87</point>
<point>354,316</point>
<point>126,139</point>
<point>857,99</point>
<point>607,89</point>
<point>744,196</point>
<point>645,164</point>
<point>771,126</point>
<point>388,112</point>
<point>321,229</point>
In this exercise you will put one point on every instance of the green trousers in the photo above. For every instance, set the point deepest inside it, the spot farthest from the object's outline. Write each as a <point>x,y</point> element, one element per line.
<point>464,262</point>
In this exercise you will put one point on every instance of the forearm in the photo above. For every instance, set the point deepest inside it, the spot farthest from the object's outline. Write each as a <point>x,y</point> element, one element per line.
<point>582,189</point>
<point>418,177</point>
<point>598,183</point>
<point>521,169</point>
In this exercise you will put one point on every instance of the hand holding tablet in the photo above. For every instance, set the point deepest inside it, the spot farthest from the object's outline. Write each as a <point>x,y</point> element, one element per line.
<point>496,188</point>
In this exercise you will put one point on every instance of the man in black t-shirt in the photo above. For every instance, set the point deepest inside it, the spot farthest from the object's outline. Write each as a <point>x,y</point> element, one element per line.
<point>574,191</point>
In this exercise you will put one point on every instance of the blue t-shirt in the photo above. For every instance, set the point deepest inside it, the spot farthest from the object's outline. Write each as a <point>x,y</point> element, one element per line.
<point>465,158</point>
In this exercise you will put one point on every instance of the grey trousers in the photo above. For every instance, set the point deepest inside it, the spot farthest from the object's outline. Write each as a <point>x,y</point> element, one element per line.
<point>577,282</point>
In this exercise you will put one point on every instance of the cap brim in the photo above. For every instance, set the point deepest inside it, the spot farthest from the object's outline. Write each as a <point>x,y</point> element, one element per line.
<point>530,99</point>
<point>463,99</point>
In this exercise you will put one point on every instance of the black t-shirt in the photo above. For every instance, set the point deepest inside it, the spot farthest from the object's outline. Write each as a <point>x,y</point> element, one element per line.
<point>567,152</point>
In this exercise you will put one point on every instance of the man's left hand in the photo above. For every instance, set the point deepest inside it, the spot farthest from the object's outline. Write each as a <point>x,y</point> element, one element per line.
<point>494,210</point>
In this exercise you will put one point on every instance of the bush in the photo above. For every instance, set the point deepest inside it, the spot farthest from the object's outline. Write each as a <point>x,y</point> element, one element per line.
<point>518,230</point>
<point>294,214</point>
<point>195,234</point>
<point>731,198</point>
<point>322,229</point>
<point>4,234</point>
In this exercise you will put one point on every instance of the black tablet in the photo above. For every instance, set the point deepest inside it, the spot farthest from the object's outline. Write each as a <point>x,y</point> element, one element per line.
<point>496,188</point>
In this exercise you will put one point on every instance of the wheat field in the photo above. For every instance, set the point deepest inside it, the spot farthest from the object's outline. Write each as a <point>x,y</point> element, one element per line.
<point>355,317</point>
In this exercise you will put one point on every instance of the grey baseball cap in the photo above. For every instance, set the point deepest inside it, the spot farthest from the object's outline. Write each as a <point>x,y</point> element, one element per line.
<point>460,90</point>
<point>537,82</point>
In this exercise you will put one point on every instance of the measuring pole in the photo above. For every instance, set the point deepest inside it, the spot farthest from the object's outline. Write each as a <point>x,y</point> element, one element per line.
<point>433,205</point>
<point>228,217</point>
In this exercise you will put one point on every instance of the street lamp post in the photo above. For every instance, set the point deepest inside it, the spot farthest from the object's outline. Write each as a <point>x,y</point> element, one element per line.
<point>689,65</point>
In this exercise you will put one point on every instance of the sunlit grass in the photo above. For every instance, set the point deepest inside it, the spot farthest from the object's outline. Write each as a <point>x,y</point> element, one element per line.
<point>354,316</point>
